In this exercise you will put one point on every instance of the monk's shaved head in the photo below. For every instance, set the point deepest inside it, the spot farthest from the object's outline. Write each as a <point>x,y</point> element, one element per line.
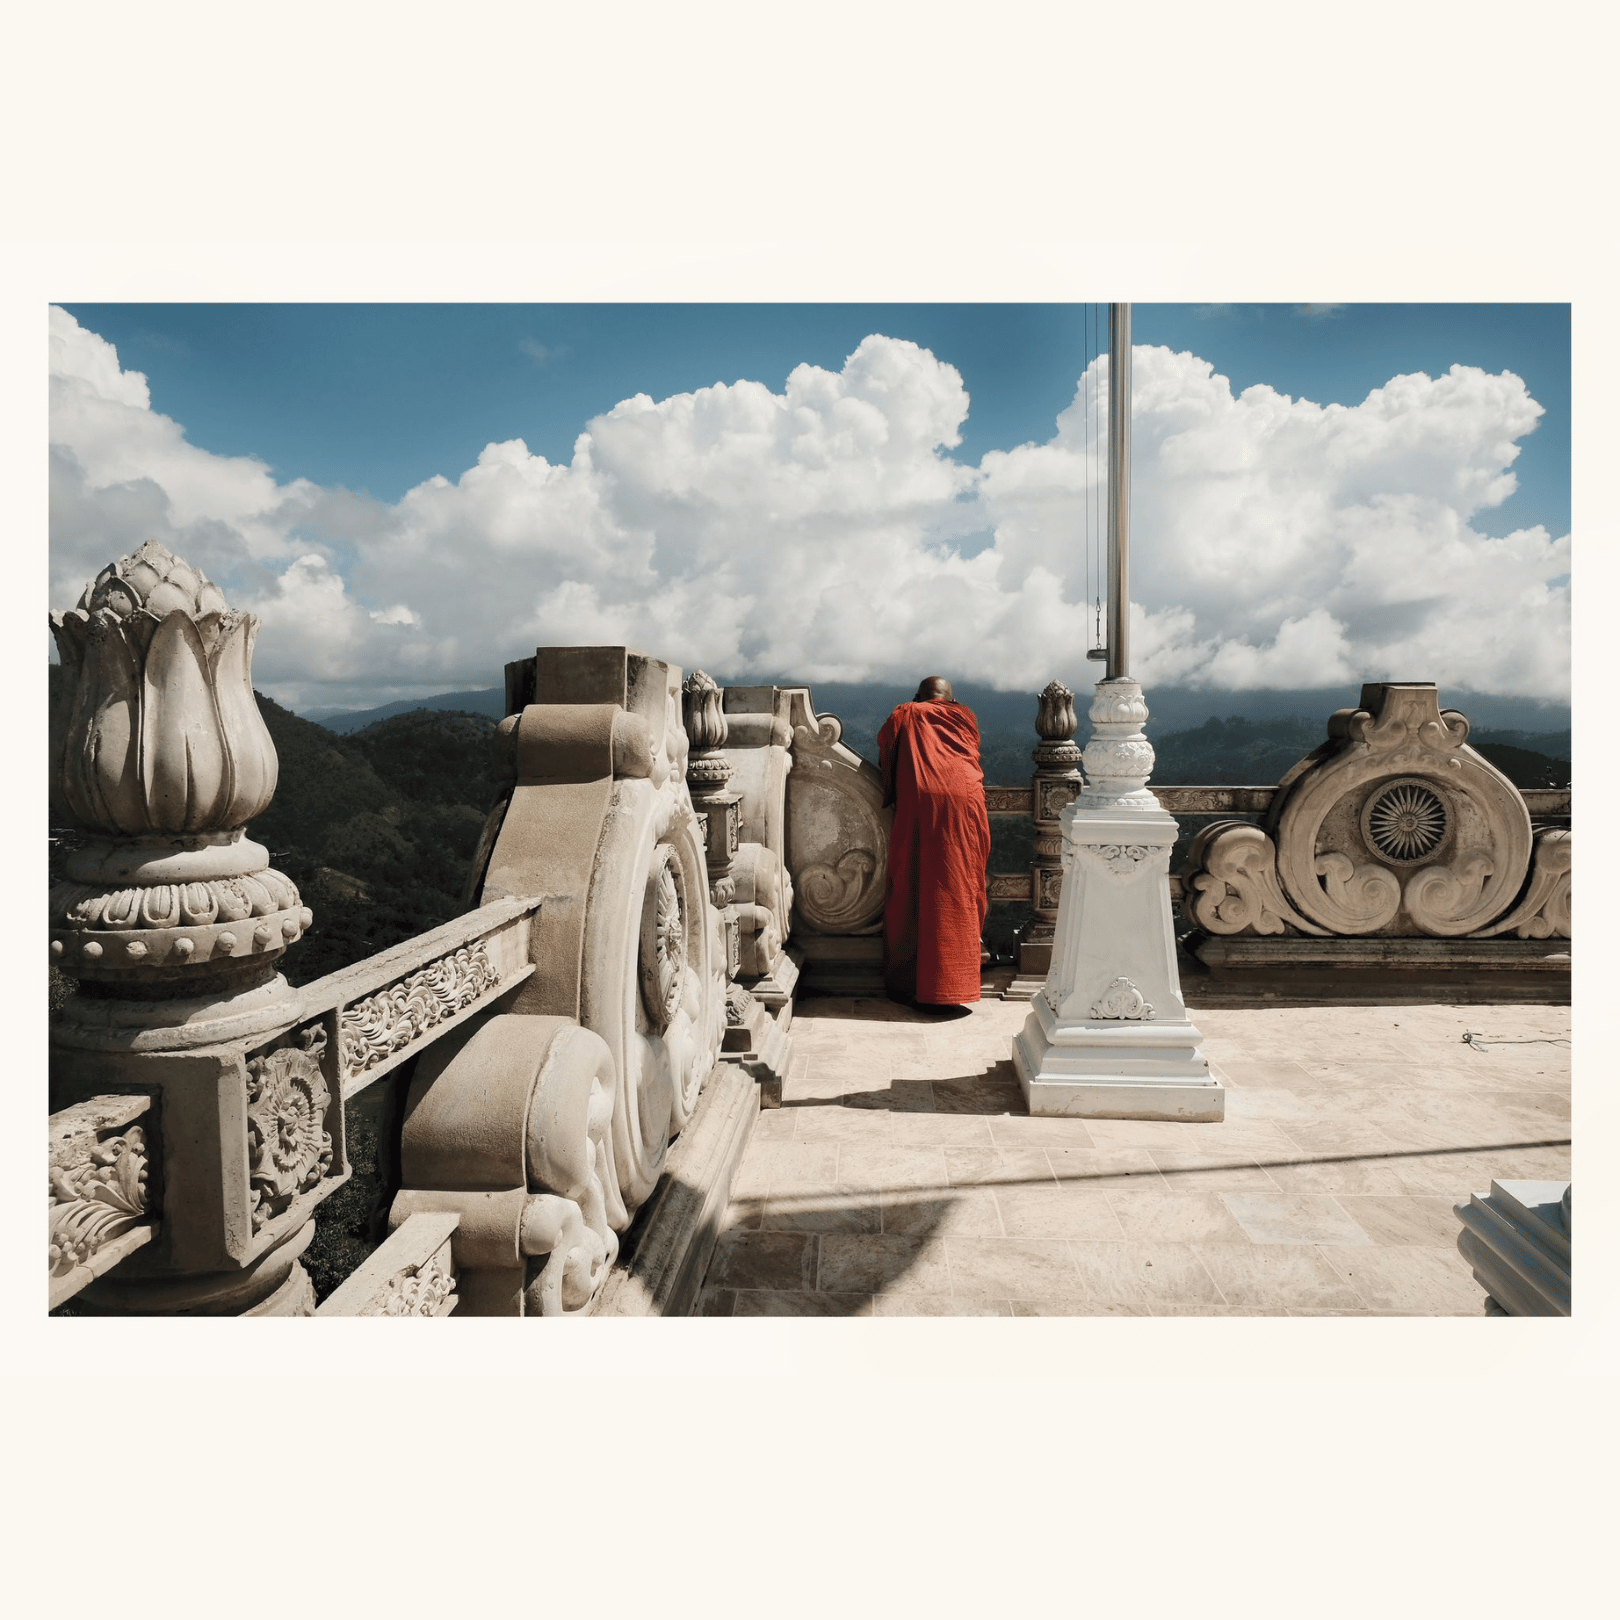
<point>934,689</point>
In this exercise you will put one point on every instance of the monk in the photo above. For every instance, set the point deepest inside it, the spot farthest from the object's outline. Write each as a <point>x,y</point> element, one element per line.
<point>936,895</point>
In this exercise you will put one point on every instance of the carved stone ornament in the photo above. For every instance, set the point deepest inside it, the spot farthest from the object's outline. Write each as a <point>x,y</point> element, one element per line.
<point>702,707</point>
<point>1395,826</point>
<point>159,752</point>
<point>662,961</point>
<point>380,1025</point>
<point>703,711</point>
<point>98,1192</point>
<point>1054,794</point>
<point>289,1147</point>
<point>162,735</point>
<point>738,1002</point>
<point>1119,758</point>
<point>427,1291</point>
<point>1055,718</point>
<point>838,830</point>
<point>1404,820</point>
<point>1122,1000</point>
<point>1123,860</point>
<point>1231,883</point>
<point>1544,912</point>
<point>836,895</point>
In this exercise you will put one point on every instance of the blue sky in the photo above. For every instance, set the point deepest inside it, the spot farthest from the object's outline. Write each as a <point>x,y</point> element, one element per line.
<point>380,396</point>
<point>394,488</point>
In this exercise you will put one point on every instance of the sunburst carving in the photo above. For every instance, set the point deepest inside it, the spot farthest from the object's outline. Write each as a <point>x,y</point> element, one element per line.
<point>1405,822</point>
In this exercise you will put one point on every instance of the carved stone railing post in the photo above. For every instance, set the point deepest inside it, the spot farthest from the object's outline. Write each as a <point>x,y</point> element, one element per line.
<point>752,1038</point>
<point>708,774</point>
<point>173,923</point>
<point>1056,783</point>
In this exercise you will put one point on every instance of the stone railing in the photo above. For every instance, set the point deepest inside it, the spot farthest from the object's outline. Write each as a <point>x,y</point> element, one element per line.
<point>526,1065</point>
<point>1314,870</point>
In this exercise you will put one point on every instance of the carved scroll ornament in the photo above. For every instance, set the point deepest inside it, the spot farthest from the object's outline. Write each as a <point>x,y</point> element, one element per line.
<point>379,1026</point>
<point>1123,860</point>
<point>835,896</point>
<point>1122,1000</point>
<point>1395,826</point>
<point>1544,912</point>
<point>430,1290</point>
<point>1231,882</point>
<point>838,830</point>
<point>98,1194</point>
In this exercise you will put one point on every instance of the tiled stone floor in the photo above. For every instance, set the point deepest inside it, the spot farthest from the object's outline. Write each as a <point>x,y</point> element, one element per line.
<point>902,1175</point>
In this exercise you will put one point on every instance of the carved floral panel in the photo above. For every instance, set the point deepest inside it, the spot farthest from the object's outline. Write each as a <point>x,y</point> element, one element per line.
<point>374,1029</point>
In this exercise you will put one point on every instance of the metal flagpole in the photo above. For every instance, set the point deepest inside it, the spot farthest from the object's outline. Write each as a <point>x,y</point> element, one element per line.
<point>1119,489</point>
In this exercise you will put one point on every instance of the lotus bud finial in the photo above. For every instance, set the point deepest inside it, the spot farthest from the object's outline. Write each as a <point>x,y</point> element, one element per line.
<point>160,734</point>
<point>705,718</point>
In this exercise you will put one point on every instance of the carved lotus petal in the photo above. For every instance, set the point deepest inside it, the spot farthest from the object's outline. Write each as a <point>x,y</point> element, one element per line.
<point>162,734</point>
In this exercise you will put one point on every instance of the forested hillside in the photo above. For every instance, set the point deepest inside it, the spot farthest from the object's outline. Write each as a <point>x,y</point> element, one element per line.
<point>378,828</point>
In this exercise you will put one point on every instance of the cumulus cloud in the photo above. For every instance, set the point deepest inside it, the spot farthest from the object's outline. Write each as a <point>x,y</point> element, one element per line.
<point>826,531</point>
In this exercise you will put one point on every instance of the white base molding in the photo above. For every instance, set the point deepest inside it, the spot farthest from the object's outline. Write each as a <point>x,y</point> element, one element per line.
<point>1107,1070</point>
<point>1517,1239</point>
<point>1023,988</point>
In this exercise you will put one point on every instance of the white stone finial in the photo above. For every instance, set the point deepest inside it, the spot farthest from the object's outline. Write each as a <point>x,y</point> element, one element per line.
<point>1119,759</point>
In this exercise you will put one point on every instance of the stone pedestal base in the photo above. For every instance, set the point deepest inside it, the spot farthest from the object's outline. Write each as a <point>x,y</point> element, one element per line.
<point>1302,969</point>
<point>762,1046</point>
<point>1109,1037</point>
<point>841,964</point>
<point>1099,1069</point>
<point>775,988</point>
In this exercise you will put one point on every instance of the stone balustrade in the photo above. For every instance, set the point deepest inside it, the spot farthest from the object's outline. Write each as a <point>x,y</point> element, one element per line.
<point>541,1051</point>
<point>1482,893</point>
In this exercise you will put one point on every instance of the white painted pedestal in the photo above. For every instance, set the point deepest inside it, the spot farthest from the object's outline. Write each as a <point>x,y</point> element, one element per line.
<point>1109,1037</point>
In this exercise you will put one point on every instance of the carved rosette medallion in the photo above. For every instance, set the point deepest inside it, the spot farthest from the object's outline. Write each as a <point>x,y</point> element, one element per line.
<point>1049,894</point>
<point>1053,795</point>
<point>1122,1000</point>
<point>1405,820</point>
<point>289,1147</point>
<point>380,1025</point>
<point>662,959</point>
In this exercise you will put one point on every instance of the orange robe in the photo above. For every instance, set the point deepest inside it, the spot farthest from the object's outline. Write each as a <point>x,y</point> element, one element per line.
<point>936,894</point>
